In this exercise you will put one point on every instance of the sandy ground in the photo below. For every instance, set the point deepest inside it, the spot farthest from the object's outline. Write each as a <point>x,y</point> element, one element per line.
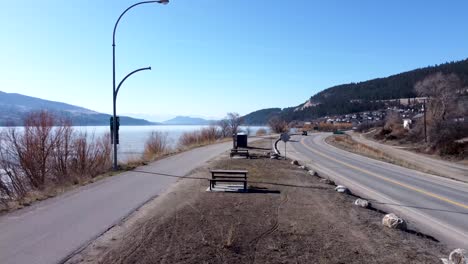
<point>290,218</point>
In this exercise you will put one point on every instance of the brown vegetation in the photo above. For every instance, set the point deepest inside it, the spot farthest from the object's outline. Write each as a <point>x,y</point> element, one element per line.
<point>156,145</point>
<point>323,126</point>
<point>234,120</point>
<point>347,143</point>
<point>392,128</point>
<point>42,156</point>
<point>445,114</point>
<point>278,125</point>
<point>199,137</point>
<point>261,132</point>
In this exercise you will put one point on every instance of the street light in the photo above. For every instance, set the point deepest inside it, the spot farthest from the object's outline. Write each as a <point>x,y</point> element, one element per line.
<point>114,90</point>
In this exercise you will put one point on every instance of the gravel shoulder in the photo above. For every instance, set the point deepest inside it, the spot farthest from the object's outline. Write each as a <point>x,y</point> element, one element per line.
<point>291,218</point>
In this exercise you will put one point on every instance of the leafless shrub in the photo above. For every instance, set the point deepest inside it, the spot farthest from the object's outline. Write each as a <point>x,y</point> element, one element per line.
<point>261,132</point>
<point>442,90</point>
<point>63,152</point>
<point>365,126</point>
<point>444,136</point>
<point>12,182</point>
<point>278,125</point>
<point>393,120</point>
<point>199,137</point>
<point>443,107</point>
<point>92,156</point>
<point>324,126</point>
<point>234,120</point>
<point>35,147</point>
<point>47,153</point>
<point>224,127</point>
<point>156,145</point>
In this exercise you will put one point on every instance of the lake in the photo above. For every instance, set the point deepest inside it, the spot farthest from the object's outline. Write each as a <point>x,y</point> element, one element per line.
<point>132,138</point>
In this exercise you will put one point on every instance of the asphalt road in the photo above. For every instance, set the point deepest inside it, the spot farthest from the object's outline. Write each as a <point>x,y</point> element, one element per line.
<point>434,205</point>
<point>51,230</point>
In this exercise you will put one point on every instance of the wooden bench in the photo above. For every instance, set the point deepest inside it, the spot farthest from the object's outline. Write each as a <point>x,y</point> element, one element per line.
<point>240,152</point>
<point>239,176</point>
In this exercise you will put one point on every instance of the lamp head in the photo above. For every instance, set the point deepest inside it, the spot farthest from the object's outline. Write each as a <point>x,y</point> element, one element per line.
<point>164,2</point>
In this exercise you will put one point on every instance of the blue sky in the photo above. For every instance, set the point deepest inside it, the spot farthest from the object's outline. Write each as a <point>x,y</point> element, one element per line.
<point>210,57</point>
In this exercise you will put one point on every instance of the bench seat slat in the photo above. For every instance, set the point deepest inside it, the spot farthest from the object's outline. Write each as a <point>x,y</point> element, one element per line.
<point>229,171</point>
<point>228,177</point>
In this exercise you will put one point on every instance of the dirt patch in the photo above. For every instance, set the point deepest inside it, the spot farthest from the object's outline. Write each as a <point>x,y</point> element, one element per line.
<point>290,218</point>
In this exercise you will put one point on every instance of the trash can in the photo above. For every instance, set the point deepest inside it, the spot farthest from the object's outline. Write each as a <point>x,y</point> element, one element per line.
<point>241,140</point>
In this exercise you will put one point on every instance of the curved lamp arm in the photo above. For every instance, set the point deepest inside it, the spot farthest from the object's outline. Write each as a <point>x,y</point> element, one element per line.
<point>128,75</point>
<point>164,2</point>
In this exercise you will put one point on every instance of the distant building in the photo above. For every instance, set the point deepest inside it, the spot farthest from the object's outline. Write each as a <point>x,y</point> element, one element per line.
<point>407,123</point>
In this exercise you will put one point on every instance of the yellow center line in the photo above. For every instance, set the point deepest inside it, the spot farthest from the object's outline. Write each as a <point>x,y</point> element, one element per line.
<point>385,178</point>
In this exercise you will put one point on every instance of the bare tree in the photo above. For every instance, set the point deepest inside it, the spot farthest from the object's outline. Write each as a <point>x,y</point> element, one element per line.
<point>235,120</point>
<point>12,183</point>
<point>35,147</point>
<point>225,127</point>
<point>278,125</point>
<point>92,155</point>
<point>441,90</point>
<point>393,120</point>
<point>63,151</point>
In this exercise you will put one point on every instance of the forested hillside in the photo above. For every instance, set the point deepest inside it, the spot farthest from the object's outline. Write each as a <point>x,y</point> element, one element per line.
<point>260,117</point>
<point>364,96</point>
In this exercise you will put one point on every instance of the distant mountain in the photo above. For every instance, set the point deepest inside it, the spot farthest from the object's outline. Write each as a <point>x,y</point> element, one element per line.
<point>14,107</point>
<point>363,96</point>
<point>186,120</point>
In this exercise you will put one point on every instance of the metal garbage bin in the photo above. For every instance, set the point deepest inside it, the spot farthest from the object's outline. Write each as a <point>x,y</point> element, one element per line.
<point>241,141</point>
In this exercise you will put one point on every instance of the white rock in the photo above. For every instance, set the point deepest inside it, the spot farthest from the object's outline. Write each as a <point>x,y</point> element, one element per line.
<point>393,221</point>
<point>313,173</point>
<point>303,167</point>
<point>362,203</point>
<point>295,162</point>
<point>459,256</point>
<point>342,189</point>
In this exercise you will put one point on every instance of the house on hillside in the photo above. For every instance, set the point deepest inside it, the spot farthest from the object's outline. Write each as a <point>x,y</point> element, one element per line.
<point>407,123</point>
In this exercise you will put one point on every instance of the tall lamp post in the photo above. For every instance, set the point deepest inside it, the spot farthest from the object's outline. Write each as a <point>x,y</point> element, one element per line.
<point>116,91</point>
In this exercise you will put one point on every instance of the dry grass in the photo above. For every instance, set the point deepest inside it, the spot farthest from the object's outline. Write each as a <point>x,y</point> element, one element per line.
<point>291,218</point>
<point>347,143</point>
<point>199,137</point>
<point>323,126</point>
<point>156,145</point>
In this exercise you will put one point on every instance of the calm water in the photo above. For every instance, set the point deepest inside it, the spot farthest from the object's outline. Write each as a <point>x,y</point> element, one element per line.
<point>133,138</point>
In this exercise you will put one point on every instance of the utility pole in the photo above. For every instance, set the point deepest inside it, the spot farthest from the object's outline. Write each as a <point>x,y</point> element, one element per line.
<point>425,122</point>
